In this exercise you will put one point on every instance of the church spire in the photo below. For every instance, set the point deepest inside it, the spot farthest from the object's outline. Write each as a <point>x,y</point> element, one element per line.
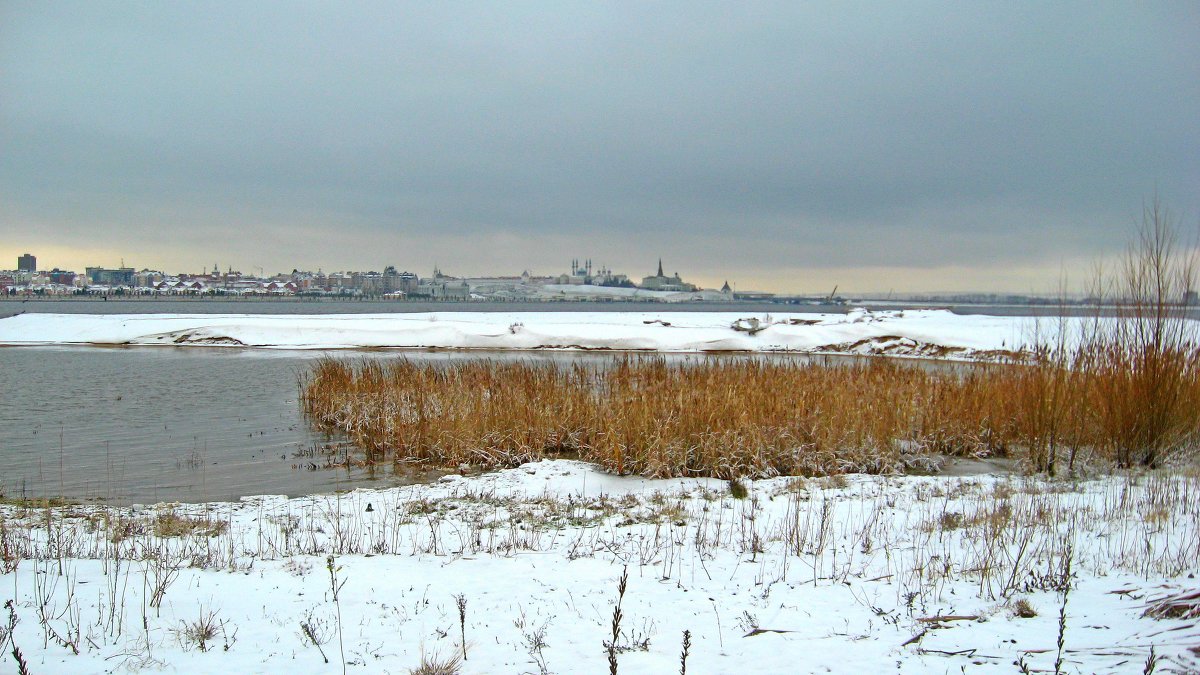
<point>660,267</point>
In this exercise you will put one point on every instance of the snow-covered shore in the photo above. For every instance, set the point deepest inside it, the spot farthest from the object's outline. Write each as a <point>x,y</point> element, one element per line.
<point>863,574</point>
<point>907,333</point>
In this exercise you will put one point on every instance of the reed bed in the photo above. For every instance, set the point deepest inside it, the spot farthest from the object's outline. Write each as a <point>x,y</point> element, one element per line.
<point>751,417</point>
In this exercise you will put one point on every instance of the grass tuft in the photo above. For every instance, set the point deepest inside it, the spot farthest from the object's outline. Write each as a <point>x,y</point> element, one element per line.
<point>433,664</point>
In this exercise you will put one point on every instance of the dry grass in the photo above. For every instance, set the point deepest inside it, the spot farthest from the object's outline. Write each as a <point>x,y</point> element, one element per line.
<point>731,418</point>
<point>1023,609</point>
<point>172,524</point>
<point>1184,605</point>
<point>435,664</point>
<point>34,502</point>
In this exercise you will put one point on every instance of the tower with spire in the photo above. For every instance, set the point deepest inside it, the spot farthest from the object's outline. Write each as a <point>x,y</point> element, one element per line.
<point>662,282</point>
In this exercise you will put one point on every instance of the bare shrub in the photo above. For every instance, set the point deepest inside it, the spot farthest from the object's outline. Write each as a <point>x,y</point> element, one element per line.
<point>317,632</point>
<point>1147,360</point>
<point>203,631</point>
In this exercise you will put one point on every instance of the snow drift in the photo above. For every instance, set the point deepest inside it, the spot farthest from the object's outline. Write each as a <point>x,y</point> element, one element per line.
<point>930,333</point>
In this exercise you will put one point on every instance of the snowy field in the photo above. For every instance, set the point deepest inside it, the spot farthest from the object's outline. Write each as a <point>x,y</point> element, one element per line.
<point>909,333</point>
<point>847,575</point>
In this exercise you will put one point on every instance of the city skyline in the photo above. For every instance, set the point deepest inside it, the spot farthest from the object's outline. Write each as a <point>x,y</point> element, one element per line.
<point>579,271</point>
<point>367,279</point>
<point>925,147</point>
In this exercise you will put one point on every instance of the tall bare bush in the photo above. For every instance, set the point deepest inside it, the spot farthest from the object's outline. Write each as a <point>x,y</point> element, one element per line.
<point>1145,359</point>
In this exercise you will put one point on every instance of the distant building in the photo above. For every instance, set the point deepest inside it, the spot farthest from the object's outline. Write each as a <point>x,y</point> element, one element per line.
<point>389,282</point>
<point>662,282</point>
<point>457,290</point>
<point>27,263</point>
<point>443,287</point>
<point>400,282</point>
<point>100,276</point>
<point>62,277</point>
<point>606,277</point>
<point>582,274</point>
<point>1190,298</point>
<point>148,278</point>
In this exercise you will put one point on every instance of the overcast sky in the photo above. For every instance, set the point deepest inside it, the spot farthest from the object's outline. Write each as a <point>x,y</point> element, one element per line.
<point>784,146</point>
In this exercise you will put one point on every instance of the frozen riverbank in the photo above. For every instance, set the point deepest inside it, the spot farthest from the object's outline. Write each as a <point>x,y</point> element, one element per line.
<point>901,333</point>
<point>861,574</point>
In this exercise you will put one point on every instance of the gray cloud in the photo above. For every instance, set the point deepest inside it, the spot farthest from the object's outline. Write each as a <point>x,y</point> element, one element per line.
<point>753,138</point>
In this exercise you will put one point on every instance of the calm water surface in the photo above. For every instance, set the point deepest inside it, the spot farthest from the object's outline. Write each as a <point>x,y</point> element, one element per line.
<point>149,424</point>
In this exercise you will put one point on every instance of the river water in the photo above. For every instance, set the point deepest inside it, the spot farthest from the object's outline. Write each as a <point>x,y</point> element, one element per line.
<point>148,424</point>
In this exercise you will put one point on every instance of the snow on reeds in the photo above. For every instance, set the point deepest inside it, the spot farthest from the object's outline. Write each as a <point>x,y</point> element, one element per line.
<point>751,417</point>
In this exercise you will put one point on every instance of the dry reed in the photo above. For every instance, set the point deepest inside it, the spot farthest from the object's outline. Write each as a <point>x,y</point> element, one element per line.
<point>723,417</point>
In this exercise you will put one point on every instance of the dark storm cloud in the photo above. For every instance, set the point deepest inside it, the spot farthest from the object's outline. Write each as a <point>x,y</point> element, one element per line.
<point>889,134</point>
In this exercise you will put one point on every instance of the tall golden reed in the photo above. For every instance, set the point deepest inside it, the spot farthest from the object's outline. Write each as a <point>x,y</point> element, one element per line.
<point>722,417</point>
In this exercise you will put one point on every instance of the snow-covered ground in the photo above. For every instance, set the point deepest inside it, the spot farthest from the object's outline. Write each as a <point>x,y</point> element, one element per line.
<point>855,575</point>
<point>915,333</point>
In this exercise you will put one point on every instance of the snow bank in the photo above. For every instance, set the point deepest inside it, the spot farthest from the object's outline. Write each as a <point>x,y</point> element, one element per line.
<point>908,333</point>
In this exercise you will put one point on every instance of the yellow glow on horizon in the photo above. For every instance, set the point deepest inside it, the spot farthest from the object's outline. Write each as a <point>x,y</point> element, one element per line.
<point>815,281</point>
